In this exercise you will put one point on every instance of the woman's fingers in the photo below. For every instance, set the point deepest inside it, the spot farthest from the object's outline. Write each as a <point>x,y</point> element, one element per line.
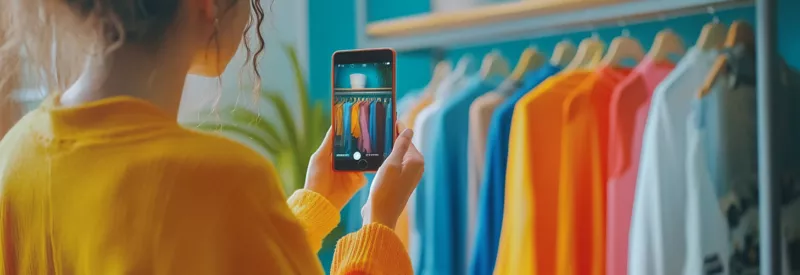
<point>401,145</point>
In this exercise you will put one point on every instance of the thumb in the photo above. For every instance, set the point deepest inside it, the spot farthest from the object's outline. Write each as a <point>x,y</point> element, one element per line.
<point>326,148</point>
<point>401,145</point>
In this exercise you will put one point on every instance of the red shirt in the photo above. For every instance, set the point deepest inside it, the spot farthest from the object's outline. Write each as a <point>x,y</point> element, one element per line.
<point>630,104</point>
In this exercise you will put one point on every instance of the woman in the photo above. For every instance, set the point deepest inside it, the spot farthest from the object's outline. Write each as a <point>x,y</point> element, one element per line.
<point>101,179</point>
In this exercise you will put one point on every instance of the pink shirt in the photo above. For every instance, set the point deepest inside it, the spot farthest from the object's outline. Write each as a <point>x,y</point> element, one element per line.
<point>364,142</point>
<point>630,103</point>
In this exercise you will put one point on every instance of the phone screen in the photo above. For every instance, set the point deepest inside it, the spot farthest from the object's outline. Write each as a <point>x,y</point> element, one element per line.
<point>363,109</point>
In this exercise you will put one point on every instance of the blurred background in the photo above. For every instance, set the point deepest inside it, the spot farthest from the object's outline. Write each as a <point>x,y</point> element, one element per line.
<point>287,120</point>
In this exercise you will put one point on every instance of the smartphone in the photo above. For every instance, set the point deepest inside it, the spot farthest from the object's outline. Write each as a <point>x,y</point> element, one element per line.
<point>363,108</point>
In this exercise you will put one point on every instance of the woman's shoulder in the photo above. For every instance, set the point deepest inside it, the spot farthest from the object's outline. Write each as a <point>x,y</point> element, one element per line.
<point>188,149</point>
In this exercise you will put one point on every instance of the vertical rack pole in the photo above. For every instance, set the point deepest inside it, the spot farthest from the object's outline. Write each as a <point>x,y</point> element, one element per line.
<point>767,94</point>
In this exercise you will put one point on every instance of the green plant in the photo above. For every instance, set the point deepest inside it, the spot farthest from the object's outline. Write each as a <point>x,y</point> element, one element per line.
<point>288,139</point>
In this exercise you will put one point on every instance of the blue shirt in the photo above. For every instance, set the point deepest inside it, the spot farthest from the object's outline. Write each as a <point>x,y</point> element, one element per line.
<point>346,134</point>
<point>389,137</point>
<point>446,183</point>
<point>493,187</point>
<point>373,128</point>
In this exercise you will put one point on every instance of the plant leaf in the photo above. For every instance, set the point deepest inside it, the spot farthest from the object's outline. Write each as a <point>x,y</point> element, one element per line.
<point>285,116</point>
<point>299,80</point>
<point>272,149</point>
<point>254,120</point>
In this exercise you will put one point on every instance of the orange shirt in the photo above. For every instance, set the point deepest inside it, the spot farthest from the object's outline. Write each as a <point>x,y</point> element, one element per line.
<point>338,116</point>
<point>403,223</point>
<point>527,239</point>
<point>582,193</point>
<point>426,100</point>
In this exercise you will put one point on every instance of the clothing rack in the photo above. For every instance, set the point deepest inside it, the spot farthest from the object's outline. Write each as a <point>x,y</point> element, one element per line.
<point>768,180</point>
<point>362,93</point>
<point>619,12</point>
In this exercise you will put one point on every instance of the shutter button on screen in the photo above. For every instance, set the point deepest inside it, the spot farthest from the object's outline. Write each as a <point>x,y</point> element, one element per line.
<point>362,164</point>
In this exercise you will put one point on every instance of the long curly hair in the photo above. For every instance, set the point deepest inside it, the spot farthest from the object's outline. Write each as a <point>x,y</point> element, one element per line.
<point>55,38</point>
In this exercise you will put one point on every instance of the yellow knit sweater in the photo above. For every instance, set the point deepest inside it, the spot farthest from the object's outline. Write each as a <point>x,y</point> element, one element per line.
<point>118,187</point>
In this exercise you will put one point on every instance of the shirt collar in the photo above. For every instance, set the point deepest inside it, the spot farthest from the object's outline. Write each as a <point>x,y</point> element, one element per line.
<point>114,115</point>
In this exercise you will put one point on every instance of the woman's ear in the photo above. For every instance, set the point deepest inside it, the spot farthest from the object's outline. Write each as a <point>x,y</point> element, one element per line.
<point>206,10</point>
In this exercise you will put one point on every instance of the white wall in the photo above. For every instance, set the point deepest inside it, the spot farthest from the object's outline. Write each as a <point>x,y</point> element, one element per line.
<point>286,22</point>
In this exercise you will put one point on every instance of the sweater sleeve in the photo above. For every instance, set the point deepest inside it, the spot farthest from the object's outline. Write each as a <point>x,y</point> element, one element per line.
<point>375,249</point>
<point>316,214</point>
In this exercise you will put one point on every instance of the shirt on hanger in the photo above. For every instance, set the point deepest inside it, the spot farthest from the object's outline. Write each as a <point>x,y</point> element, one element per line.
<point>630,103</point>
<point>364,141</point>
<point>355,124</point>
<point>347,135</point>
<point>657,236</point>
<point>421,139</point>
<point>407,102</point>
<point>389,130</point>
<point>582,181</point>
<point>722,205</point>
<point>409,215</point>
<point>492,187</point>
<point>446,170</point>
<point>337,111</point>
<point>480,113</point>
<point>527,241</point>
<point>373,127</point>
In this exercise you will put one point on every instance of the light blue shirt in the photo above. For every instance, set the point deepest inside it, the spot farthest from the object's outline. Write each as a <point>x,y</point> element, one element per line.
<point>446,182</point>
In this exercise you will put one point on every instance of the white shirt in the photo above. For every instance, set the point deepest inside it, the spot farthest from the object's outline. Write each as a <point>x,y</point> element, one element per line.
<point>447,87</point>
<point>658,231</point>
<point>707,233</point>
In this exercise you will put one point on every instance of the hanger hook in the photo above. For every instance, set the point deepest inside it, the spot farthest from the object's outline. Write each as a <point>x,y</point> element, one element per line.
<point>713,13</point>
<point>594,34</point>
<point>624,26</point>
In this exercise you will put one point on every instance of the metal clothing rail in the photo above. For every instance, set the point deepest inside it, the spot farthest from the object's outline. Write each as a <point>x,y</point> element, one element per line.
<point>767,66</point>
<point>337,93</point>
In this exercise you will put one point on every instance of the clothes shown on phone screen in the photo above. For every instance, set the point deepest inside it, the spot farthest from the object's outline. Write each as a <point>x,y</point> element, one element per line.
<point>389,129</point>
<point>360,125</point>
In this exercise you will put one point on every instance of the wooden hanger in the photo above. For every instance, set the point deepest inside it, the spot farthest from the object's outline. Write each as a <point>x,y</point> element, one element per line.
<point>531,59</point>
<point>712,36</point>
<point>666,43</point>
<point>440,72</point>
<point>623,47</point>
<point>563,53</point>
<point>589,52</point>
<point>464,63</point>
<point>494,65</point>
<point>740,33</point>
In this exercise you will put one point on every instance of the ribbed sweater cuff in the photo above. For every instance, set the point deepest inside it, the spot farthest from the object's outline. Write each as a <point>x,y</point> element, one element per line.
<point>375,249</point>
<point>316,214</point>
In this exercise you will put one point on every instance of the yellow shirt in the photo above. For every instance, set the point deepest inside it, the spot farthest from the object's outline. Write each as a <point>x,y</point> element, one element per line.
<point>355,122</point>
<point>118,187</point>
<point>527,240</point>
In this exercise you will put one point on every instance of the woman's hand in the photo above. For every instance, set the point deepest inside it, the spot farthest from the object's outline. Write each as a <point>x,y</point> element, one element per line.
<point>336,186</point>
<point>394,182</point>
